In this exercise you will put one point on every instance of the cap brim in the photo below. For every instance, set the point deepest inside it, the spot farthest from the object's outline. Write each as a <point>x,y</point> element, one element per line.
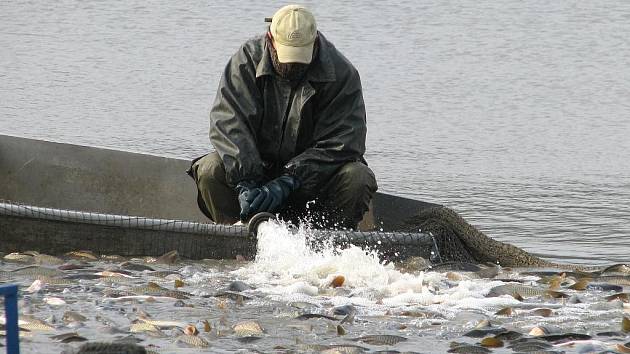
<point>289,54</point>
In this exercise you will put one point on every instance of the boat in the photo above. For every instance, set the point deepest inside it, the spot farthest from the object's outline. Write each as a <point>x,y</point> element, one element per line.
<point>58,197</point>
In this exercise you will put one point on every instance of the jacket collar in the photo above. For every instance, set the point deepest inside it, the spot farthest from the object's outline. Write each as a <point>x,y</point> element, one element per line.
<point>321,70</point>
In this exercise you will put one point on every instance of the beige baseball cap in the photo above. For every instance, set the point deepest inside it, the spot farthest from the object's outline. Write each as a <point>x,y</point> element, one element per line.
<point>294,31</point>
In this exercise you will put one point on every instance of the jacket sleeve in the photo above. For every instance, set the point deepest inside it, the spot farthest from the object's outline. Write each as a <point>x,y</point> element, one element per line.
<point>339,133</point>
<point>238,103</point>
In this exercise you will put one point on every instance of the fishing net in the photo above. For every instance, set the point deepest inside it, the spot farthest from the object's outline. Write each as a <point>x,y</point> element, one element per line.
<point>460,241</point>
<point>435,233</point>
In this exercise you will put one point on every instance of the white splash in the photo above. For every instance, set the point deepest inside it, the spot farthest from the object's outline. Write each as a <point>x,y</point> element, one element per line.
<point>287,268</point>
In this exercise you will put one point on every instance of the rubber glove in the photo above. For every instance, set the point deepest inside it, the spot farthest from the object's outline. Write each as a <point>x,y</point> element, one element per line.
<point>275,194</point>
<point>247,192</point>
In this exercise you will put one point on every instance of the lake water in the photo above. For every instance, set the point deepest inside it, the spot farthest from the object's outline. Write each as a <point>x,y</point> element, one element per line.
<point>516,114</point>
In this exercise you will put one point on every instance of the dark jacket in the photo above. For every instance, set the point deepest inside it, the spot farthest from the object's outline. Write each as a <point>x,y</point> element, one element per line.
<point>259,123</point>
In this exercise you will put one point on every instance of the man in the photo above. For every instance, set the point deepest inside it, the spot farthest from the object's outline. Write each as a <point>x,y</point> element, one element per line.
<point>288,125</point>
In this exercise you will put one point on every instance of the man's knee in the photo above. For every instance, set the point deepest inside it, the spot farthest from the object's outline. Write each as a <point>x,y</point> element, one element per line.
<point>356,177</point>
<point>209,170</point>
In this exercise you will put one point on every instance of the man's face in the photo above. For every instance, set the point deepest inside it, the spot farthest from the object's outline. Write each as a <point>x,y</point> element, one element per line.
<point>288,71</point>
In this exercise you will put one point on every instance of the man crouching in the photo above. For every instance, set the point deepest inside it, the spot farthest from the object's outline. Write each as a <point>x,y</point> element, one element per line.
<point>288,126</point>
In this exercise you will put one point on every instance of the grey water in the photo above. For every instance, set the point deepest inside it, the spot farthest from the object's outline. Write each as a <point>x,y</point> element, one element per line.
<point>514,113</point>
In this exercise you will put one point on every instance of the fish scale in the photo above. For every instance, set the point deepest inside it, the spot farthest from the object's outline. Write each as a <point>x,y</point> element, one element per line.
<point>193,341</point>
<point>614,279</point>
<point>35,271</point>
<point>526,291</point>
<point>381,339</point>
<point>248,328</point>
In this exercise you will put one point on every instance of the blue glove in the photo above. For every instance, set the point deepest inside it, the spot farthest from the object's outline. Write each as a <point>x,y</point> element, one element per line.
<point>247,192</point>
<point>274,194</point>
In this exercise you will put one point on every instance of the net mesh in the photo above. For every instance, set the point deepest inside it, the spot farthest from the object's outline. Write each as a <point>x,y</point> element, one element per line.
<point>457,240</point>
<point>10,208</point>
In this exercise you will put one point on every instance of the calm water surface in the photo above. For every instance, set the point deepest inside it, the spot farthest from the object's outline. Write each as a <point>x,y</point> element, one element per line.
<point>516,114</point>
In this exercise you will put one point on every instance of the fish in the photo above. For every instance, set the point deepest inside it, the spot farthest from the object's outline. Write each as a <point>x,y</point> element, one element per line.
<point>72,266</point>
<point>112,258</point>
<point>617,268</point>
<point>522,290</point>
<point>47,259</point>
<point>543,330</point>
<point>604,287</point>
<point>469,349</point>
<point>69,337</point>
<point>483,332</point>
<point>163,323</point>
<point>611,334</point>
<point>248,328</point>
<point>206,326</point>
<point>623,297</point>
<point>306,316</point>
<point>82,255</point>
<point>614,279</point>
<point>71,316</point>
<point>17,257</point>
<point>509,335</point>
<point>565,337</point>
<point>554,281</point>
<point>380,339</point>
<point>543,312</point>
<point>337,281</point>
<point>154,289</point>
<point>331,349</point>
<point>36,286</point>
<point>192,341</point>
<point>191,330</point>
<point>623,348</point>
<point>342,349</point>
<point>238,286</point>
<point>340,330</point>
<point>115,293</point>
<point>147,298</point>
<point>529,345</point>
<point>233,295</point>
<point>163,273</point>
<point>581,284</point>
<point>35,325</point>
<point>171,257</point>
<point>625,324</point>
<point>491,342</point>
<point>422,314</point>
<point>483,324</point>
<point>108,273</point>
<point>507,311</point>
<point>46,280</point>
<point>136,267</point>
<point>143,327</point>
<point>83,276</point>
<point>34,271</point>
<point>344,310</point>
